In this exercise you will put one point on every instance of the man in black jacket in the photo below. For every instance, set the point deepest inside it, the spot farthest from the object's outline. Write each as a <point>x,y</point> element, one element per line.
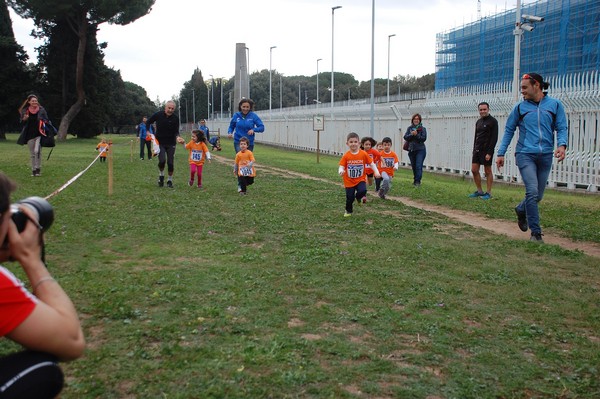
<point>167,135</point>
<point>486,136</point>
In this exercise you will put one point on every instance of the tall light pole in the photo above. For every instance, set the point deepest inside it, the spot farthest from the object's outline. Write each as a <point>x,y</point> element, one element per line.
<point>193,106</point>
<point>212,94</point>
<point>319,59</point>
<point>207,102</point>
<point>221,116</point>
<point>280,92</point>
<point>388,76</point>
<point>372,128</point>
<point>248,70</point>
<point>332,48</point>
<point>270,77</point>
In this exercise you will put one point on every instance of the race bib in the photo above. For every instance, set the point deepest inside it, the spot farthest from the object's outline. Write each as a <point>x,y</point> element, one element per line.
<point>246,171</point>
<point>355,171</point>
<point>196,155</point>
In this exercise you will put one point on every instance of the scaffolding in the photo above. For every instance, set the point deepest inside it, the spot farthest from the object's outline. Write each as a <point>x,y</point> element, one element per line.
<point>482,52</point>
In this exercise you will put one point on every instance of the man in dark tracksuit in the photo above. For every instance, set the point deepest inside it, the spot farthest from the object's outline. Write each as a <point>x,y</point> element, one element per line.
<point>486,136</point>
<point>167,135</point>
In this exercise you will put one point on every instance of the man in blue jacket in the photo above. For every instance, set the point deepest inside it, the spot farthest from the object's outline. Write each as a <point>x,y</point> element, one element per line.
<point>538,117</point>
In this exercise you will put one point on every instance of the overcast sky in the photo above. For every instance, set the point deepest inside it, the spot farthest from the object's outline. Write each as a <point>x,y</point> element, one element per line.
<point>161,50</point>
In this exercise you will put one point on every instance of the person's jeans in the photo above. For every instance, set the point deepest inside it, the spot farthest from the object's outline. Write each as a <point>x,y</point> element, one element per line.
<point>416,162</point>
<point>534,169</point>
<point>148,145</point>
<point>355,193</point>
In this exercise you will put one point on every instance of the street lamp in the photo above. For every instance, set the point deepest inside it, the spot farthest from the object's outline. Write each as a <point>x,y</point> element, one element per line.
<point>280,92</point>
<point>528,25</point>
<point>388,76</point>
<point>318,81</point>
<point>212,94</point>
<point>193,106</point>
<point>248,69</point>
<point>221,116</point>
<point>332,48</point>
<point>270,71</point>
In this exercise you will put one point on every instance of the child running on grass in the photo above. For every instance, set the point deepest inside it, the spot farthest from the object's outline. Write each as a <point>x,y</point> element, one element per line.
<point>244,166</point>
<point>368,144</point>
<point>353,167</point>
<point>379,148</point>
<point>103,148</point>
<point>198,154</point>
<point>387,164</point>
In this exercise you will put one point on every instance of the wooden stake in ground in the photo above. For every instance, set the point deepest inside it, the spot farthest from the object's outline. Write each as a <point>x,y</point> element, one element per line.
<point>110,168</point>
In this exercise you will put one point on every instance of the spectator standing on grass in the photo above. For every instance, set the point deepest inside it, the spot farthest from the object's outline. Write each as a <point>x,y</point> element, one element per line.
<point>416,135</point>
<point>32,113</point>
<point>43,321</point>
<point>542,122</point>
<point>486,136</point>
<point>244,166</point>
<point>245,123</point>
<point>388,163</point>
<point>167,135</point>
<point>144,138</point>
<point>353,169</point>
<point>198,155</point>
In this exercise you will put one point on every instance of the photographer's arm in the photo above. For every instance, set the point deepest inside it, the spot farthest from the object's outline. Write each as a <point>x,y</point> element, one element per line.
<point>53,326</point>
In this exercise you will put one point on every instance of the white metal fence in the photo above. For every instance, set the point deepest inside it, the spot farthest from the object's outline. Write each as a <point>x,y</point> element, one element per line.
<point>450,118</point>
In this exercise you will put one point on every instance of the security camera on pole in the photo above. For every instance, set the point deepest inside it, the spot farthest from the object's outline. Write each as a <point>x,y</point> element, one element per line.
<point>523,23</point>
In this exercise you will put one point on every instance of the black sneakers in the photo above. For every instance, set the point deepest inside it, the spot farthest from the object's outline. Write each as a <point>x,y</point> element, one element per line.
<point>521,220</point>
<point>537,237</point>
<point>161,181</point>
<point>169,184</point>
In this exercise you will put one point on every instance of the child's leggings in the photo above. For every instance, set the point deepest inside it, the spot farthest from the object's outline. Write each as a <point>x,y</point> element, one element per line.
<point>196,169</point>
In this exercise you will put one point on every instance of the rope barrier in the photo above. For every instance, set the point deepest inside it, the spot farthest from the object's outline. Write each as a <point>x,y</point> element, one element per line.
<point>74,178</point>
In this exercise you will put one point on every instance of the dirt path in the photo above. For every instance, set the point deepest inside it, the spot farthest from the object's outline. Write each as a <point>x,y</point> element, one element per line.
<point>496,226</point>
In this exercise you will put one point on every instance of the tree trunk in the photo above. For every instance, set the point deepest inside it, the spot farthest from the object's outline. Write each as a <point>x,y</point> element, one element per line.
<point>63,129</point>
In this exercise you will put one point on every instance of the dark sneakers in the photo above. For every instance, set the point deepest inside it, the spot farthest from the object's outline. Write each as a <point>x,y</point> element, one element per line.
<point>521,220</point>
<point>161,181</point>
<point>169,184</point>
<point>536,237</point>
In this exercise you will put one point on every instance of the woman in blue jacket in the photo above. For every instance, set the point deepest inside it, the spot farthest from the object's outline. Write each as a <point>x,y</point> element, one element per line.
<point>244,124</point>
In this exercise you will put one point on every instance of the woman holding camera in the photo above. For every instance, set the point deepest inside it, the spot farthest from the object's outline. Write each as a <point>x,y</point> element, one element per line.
<point>32,113</point>
<point>44,321</point>
<point>416,135</point>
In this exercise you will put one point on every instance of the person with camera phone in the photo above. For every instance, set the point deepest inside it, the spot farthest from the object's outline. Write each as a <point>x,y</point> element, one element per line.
<point>44,320</point>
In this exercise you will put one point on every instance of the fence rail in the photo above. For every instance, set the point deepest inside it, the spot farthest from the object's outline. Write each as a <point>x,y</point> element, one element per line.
<point>450,117</point>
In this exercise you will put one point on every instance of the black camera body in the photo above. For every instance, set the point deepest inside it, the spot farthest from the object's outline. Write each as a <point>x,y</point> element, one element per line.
<point>40,208</point>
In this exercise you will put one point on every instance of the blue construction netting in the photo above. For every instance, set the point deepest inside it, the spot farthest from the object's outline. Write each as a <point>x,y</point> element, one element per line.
<point>482,52</point>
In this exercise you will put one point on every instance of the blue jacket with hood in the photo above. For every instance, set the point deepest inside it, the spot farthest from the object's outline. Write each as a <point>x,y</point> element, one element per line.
<point>537,124</point>
<point>240,125</point>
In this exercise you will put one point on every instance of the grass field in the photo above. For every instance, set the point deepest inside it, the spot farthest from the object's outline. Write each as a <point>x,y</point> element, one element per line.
<point>189,293</point>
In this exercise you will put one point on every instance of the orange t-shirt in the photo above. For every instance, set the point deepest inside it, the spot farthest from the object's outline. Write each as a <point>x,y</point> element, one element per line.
<point>355,166</point>
<point>244,161</point>
<point>375,156</point>
<point>197,152</point>
<point>387,162</point>
<point>103,148</point>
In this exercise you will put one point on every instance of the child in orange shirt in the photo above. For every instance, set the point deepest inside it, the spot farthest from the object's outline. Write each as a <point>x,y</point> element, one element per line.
<point>198,153</point>
<point>379,148</point>
<point>244,166</point>
<point>387,164</point>
<point>353,167</point>
<point>367,144</point>
<point>103,148</point>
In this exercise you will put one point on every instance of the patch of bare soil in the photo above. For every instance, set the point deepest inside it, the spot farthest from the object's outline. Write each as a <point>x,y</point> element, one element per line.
<point>505,228</point>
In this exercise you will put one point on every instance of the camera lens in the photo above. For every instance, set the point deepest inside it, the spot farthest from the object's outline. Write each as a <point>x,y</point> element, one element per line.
<point>40,208</point>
